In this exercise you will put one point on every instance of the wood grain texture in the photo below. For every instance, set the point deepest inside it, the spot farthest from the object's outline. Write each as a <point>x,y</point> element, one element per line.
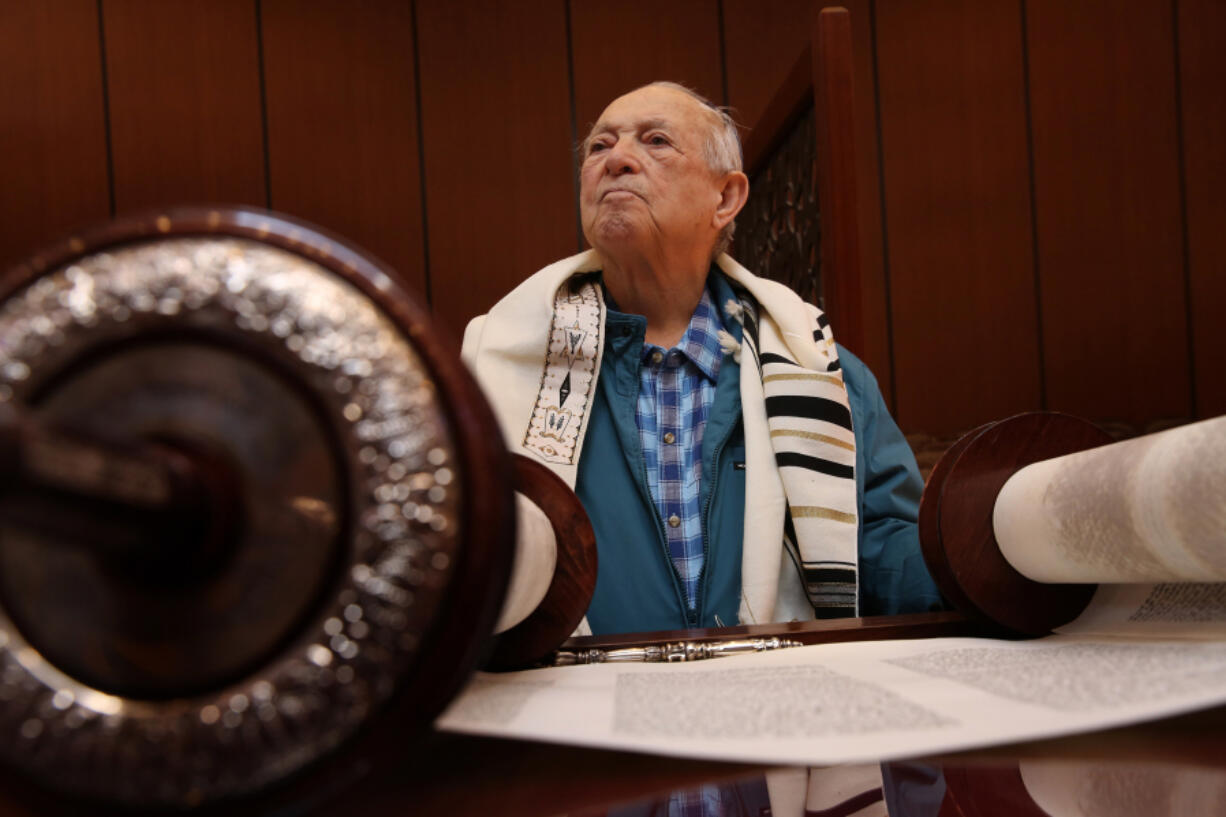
<point>958,212</point>
<point>342,124</point>
<point>1202,69</point>
<point>936,559</point>
<point>874,301</point>
<point>833,90</point>
<point>964,557</point>
<point>52,126</point>
<point>496,126</point>
<point>618,47</point>
<point>184,88</point>
<point>1106,169</point>
<point>762,41</point>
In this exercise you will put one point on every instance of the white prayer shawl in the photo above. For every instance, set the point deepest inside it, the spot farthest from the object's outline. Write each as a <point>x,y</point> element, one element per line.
<point>506,351</point>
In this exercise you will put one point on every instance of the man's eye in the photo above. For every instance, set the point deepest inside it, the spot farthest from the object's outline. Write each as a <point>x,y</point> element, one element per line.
<point>657,139</point>
<point>595,147</point>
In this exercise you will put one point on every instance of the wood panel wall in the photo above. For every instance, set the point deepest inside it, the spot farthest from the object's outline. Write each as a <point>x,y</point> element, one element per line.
<point>1201,32</point>
<point>183,99</point>
<point>956,196</point>
<point>54,163</point>
<point>1106,176</point>
<point>1041,207</point>
<point>496,126</point>
<point>342,126</point>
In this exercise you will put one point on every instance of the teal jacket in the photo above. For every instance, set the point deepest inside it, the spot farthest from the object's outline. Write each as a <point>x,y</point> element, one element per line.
<point>637,588</point>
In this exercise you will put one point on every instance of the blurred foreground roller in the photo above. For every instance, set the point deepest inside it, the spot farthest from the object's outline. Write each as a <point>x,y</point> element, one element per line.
<point>252,509</point>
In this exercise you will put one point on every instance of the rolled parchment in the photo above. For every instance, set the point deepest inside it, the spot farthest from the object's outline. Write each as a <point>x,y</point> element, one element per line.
<point>536,558</point>
<point>1123,789</point>
<point>1152,509</point>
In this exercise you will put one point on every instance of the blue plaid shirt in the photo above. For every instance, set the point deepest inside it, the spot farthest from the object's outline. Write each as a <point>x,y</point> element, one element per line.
<point>676,390</point>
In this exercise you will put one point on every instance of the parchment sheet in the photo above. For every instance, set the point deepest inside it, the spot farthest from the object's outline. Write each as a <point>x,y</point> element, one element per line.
<point>1177,611</point>
<point>839,703</point>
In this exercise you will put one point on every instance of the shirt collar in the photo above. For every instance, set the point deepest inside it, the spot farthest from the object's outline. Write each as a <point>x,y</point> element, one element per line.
<point>700,343</point>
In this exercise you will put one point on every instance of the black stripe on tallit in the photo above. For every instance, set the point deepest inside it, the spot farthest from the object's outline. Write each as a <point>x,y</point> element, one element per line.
<point>837,604</point>
<point>789,529</point>
<point>833,366</point>
<point>771,357</point>
<point>752,346</point>
<point>750,325</point>
<point>834,469</point>
<point>834,593</point>
<point>834,612</point>
<point>829,575</point>
<point>827,599</point>
<point>805,406</point>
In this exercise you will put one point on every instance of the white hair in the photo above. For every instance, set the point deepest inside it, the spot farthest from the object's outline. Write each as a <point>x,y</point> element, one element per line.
<point>721,148</point>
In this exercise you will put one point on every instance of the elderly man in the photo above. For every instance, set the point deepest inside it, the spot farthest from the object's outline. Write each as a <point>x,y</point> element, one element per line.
<point>737,466</point>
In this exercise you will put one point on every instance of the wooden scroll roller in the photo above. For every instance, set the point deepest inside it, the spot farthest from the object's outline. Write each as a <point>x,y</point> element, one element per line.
<point>539,615</point>
<point>252,509</point>
<point>1021,520</point>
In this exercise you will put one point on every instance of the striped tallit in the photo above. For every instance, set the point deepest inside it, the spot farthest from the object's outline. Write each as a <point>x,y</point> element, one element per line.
<point>784,498</point>
<point>810,423</point>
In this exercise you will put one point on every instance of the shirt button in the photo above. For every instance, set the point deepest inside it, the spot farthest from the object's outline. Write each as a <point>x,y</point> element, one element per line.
<point>669,437</point>
<point>657,356</point>
<point>674,521</point>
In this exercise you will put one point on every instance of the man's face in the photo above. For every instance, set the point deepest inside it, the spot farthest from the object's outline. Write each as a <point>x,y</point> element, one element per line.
<point>645,179</point>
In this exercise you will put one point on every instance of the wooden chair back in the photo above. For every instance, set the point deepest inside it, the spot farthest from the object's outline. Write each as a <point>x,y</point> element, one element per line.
<point>801,224</point>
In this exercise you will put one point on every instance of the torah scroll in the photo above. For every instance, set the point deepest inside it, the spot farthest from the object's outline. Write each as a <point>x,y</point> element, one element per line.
<point>1151,509</point>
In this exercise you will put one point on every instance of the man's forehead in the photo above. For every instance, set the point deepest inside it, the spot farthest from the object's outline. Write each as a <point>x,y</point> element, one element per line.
<point>652,106</point>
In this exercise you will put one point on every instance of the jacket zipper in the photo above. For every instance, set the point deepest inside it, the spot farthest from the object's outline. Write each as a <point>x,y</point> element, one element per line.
<point>700,596</point>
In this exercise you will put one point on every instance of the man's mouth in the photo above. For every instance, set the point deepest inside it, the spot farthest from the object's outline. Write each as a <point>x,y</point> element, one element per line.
<point>619,190</point>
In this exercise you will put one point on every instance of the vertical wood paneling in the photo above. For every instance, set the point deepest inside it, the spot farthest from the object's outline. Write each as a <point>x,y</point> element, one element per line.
<point>53,171</point>
<point>762,41</point>
<point>958,211</point>
<point>496,129</point>
<point>340,87</point>
<point>620,46</point>
<point>183,81</point>
<point>184,88</point>
<point>1202,68</point>
<point>1102,80</point>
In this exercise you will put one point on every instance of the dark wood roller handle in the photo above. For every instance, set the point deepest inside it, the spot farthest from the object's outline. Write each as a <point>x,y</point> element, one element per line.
<point>574,579</point>
<point>160,509</point>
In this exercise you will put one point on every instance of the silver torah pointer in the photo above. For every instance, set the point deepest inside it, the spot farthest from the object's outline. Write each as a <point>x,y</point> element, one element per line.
<point>672,651</point>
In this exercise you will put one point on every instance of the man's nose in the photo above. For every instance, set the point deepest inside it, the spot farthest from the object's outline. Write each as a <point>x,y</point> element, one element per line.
<point>621,158</point>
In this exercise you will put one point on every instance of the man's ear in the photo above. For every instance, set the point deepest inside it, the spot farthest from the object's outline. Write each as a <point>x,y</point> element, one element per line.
<point>732,195</point>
